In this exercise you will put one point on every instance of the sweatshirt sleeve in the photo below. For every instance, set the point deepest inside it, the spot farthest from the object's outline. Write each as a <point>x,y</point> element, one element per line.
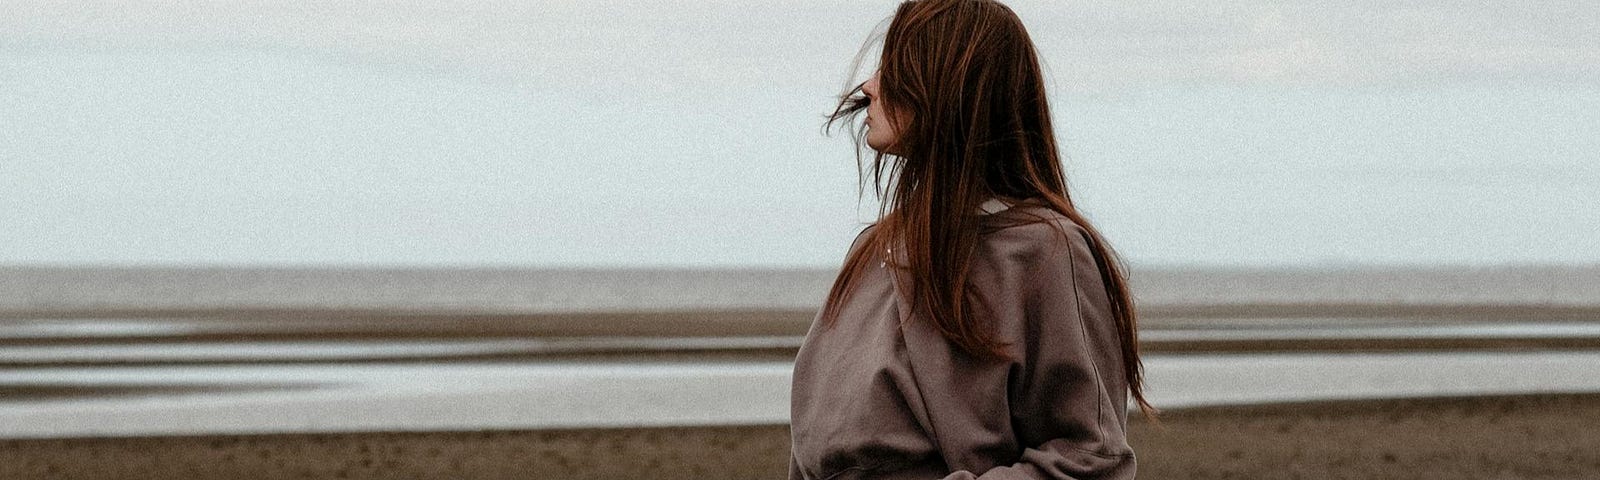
<point>1067,396</point>
<point>794,468</point>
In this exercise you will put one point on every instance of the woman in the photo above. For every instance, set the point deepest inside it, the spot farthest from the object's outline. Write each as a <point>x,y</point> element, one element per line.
<point>981,328</point>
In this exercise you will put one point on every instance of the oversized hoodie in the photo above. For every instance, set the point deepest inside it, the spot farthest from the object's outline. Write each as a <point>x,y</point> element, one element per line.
<point>882,395</point>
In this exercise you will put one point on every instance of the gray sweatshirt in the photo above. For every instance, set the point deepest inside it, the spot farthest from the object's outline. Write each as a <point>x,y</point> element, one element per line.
<point>883,395</point>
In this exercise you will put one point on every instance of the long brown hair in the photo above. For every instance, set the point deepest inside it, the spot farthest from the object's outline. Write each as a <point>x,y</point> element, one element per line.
<point>968,95</point>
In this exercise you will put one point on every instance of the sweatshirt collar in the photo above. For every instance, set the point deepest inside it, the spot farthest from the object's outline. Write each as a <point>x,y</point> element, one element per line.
<point>993,205</point>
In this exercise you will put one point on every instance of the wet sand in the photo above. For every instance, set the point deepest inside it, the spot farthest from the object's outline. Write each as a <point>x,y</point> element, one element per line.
<point>251,337</point>
<point>175,316</point>
<point>1517,437</point>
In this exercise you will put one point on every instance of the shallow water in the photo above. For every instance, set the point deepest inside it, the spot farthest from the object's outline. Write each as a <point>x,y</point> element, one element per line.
<point>467,396</point>
<point>68,346</point>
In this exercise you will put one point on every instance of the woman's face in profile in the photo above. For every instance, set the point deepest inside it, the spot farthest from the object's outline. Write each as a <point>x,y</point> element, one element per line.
<point>881,133</point>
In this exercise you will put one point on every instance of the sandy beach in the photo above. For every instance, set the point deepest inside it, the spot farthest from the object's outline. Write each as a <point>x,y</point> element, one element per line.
<point>1517,437</point>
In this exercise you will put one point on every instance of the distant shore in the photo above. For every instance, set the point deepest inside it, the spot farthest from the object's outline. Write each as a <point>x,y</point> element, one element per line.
<point>74,291</point>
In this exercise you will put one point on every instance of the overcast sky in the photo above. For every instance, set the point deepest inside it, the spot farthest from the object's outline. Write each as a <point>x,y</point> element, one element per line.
<point>604,132</point>
<point>1099,44</point>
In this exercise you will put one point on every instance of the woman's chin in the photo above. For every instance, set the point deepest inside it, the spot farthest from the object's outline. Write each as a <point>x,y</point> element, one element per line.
<point>876,144</point>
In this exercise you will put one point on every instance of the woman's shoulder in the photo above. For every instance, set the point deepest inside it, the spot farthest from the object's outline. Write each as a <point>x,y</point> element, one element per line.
<point>861,236</point>
<point>1033,228</point>
<point>1023,227</point>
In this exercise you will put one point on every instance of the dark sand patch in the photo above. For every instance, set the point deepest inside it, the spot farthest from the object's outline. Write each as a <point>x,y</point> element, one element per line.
<point>1520,437</point>
<point>1514,437</point>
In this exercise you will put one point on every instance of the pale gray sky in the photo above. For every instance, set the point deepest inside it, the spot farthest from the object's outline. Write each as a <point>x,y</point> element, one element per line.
<point>686,132</point>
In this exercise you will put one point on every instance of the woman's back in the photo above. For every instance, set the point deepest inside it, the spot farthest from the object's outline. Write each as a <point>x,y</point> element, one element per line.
<point>883,394</point>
